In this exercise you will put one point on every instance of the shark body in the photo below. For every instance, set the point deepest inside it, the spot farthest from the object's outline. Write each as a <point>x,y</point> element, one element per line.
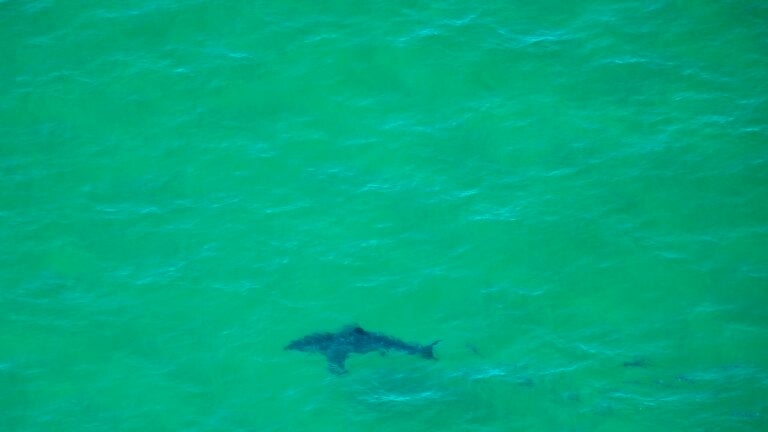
<point>336,347</point>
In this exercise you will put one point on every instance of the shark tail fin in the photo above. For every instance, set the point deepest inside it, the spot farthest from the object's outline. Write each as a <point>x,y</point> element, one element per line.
<point>426,350</point>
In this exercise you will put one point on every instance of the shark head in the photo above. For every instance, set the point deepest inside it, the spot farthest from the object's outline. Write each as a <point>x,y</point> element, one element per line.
<point>312,343</point>
<point>295,345</point>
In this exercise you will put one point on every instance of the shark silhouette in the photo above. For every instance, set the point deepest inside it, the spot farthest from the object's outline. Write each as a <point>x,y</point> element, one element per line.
<point>336,347</point>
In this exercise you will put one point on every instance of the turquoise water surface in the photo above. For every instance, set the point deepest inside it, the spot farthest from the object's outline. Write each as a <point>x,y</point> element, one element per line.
<point>573,196</point>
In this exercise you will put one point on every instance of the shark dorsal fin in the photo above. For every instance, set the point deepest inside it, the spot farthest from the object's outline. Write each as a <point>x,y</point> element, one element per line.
<point>353,328</point>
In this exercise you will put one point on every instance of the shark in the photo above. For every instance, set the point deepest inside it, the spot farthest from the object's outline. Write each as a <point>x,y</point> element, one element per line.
<point>353,339</point>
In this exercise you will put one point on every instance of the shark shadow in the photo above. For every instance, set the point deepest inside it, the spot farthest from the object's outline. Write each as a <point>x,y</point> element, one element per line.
<point>336,347</point>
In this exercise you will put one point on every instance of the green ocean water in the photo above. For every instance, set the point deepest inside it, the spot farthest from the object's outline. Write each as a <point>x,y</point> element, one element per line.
<point>572,196</point>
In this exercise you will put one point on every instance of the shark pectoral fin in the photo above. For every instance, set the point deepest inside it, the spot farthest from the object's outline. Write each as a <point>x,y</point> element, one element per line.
<point>336,361</point>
